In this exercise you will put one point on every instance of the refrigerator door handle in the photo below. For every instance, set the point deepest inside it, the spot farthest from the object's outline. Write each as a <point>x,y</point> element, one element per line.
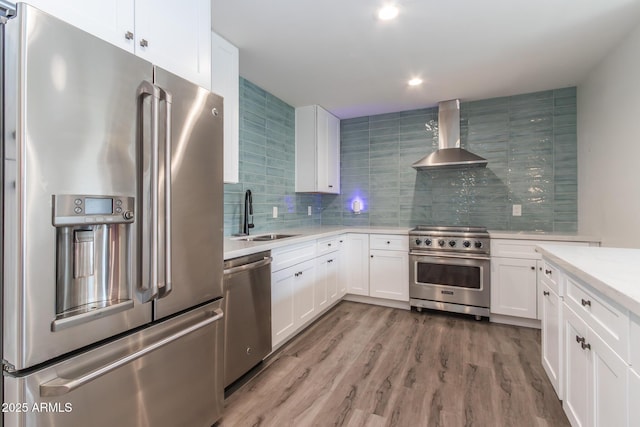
<point>61,386</point>
<point>149,287</point>
<point>164,290</point>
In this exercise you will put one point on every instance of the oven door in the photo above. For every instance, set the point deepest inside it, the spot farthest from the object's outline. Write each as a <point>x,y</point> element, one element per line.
<point>450,278</point>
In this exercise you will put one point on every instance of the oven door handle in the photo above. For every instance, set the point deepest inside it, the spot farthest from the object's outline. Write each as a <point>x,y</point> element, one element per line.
<point>450,255</point>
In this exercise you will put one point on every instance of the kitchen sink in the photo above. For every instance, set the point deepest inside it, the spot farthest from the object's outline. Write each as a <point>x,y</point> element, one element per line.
<point>264,237</point>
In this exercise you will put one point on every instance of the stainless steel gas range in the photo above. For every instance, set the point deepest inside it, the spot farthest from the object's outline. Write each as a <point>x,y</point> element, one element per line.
<point>450,269</point>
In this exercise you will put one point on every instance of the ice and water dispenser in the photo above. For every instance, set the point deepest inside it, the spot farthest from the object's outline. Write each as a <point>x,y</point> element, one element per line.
<point>95,256</point>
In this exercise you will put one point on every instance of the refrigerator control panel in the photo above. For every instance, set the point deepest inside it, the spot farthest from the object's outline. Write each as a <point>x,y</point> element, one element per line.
<point>75,209</point>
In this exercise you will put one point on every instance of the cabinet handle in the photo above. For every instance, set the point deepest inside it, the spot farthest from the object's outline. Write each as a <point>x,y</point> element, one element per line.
<point>371,256</point>
<point>585,302</point>
<point>329,260</point>
<point>580,340</point>
<point>328,244</point>
<point>330,186</point>
<point>585,346</point>
<point>533,268</point>
<point>545,293</point>
<point>548,272</point>
<point>144,43</point>
<point>128,35</point>
<point>388,242</point>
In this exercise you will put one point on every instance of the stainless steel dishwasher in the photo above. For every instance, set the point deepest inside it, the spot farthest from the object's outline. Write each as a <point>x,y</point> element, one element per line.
<point>247,313</point>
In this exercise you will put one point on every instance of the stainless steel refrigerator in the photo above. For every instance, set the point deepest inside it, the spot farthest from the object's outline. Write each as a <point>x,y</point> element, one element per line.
<point>111,235</point>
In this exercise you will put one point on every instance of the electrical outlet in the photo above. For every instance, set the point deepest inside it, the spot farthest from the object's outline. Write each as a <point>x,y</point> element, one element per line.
<point>309,210</point>
<point>275,212</point>
<point>517,210</point>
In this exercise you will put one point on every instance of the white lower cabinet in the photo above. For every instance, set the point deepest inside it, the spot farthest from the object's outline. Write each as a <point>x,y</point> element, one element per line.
<point>304,292</point>
<point>327,276</point>
<point>292,299</point>
<point>389,274</point>
<point>342,266</point>
<point>357,258</point>
<point>551,307</point>
<point>282,304</point>
<point>513,287</point>
<point>634,396</point>
<point>595,392</point>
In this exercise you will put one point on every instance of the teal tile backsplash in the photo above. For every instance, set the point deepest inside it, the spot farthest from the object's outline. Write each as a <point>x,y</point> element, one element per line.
<point>529,140</point>
<point>267,167</point>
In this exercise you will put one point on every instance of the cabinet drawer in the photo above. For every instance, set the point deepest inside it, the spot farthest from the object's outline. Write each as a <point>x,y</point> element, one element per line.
<point>391,242</point>
<point>524,248</point>
<point>327,245</point>
<point>634,333</point>
<point>552,276</point>
<point>607,320</point>
<point>292,255</point>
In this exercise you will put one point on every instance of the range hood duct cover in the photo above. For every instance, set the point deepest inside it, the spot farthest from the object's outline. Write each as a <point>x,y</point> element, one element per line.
<point>449,154</point>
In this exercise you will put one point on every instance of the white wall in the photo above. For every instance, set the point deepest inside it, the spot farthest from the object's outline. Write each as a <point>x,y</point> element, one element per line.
<point>609,147</point>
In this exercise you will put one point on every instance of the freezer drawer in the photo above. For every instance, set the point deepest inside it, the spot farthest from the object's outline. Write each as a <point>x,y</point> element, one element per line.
<point>167,375</point>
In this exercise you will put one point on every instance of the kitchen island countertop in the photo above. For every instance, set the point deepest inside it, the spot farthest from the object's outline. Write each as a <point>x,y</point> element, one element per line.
<point>614,272</point>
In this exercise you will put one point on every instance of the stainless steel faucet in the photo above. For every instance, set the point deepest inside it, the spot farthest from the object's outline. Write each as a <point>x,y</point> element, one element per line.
<point>248,210</point>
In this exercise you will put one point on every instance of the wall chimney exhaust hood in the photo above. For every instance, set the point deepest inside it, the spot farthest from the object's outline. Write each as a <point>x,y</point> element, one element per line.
<point>449,154</point>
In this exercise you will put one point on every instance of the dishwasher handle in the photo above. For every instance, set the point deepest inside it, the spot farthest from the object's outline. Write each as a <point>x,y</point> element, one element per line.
<point>261,263</point>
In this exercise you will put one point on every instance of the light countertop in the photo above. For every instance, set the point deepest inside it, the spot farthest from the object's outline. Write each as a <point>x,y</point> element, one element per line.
<point>614,272</point>
<point>541,235</point>
<point>234,248</point>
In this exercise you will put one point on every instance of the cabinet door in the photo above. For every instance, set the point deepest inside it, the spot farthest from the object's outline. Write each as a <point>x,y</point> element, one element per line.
<point>110,22</point>
<point>609,373</point>
<point>634,396</point>
<point>389,275</point>
<point>333,277</point>
<point>358,264</point>
<point>341,258</point>
<point>328,145</point>
<point>282,304</point>
<point>577,373</point>
<point>225,81</point>
<point>304,294</point>
<point>177,36</point>
<point>551,309</point>
<point>322,282</point>
<point>513,287</point>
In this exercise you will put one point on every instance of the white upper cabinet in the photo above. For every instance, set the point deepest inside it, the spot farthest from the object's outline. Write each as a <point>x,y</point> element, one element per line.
<point>225,81</point>
<point>114,23</point>
<point>178,37</point>
<point>317,151</point>
<point>174,37</point>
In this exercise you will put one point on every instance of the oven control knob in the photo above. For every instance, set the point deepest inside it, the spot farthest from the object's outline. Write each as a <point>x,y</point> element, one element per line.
<point>441,242</point>
<point>428,242</point>
<point>466,243</point>
<point>478,244</point>
<point>418,241</point>
<point>452,243</point>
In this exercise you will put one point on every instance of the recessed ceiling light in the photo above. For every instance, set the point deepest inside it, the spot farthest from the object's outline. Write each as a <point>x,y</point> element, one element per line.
<point>388,12</point>
<point>415,82</point>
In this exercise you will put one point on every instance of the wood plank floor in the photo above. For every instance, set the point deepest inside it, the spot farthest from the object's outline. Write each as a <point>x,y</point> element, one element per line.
<point>364,365</point>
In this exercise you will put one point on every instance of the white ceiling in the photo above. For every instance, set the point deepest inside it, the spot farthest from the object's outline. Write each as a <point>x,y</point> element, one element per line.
<point>335,53</point>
